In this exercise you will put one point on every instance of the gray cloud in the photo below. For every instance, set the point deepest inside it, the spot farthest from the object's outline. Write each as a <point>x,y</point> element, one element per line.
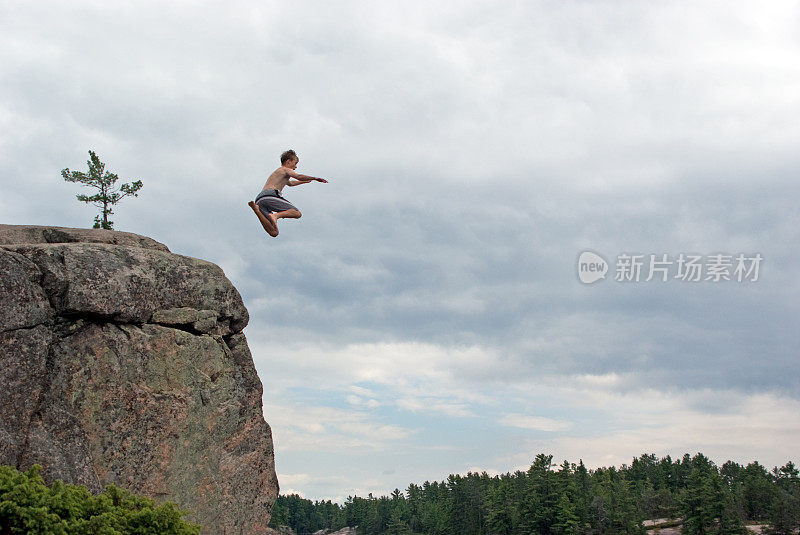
<point>473,153</point>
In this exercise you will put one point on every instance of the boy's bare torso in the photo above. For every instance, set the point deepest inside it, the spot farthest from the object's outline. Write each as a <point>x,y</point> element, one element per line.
<point>278,179</point>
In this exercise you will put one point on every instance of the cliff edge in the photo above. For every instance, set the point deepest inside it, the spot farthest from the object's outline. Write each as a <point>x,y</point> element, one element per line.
<point>124,363</point>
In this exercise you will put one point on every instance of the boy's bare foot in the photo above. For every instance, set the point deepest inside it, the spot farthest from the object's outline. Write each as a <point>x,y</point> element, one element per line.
<point>269,223</point>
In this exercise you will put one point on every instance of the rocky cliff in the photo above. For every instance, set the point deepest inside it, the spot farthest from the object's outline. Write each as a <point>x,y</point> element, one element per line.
<point>123,363</point>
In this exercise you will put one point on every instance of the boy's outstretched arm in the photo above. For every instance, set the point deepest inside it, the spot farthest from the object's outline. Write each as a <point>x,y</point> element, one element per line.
<point>302,179</point>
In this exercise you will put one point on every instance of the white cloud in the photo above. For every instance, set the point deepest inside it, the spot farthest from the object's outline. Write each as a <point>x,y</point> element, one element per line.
<point>405,365</point>
<point>538,423</point>
<point>310,427</point>
<point>435,405</point>
<point>756,427</point>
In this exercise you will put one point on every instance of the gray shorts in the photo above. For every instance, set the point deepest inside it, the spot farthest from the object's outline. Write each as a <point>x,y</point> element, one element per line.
<point>270,200</point>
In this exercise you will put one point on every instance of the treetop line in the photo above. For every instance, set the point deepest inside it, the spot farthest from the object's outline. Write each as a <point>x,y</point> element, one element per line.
<point>569,499</point>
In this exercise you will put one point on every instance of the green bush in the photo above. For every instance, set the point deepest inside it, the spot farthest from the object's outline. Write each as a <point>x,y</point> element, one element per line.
<point>28,505</point>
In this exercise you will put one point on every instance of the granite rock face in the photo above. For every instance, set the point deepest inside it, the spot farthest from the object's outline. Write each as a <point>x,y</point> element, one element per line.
<point>124,363</point>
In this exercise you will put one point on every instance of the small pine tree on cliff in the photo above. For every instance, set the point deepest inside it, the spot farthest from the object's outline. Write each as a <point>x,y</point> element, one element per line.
<point>108,195</point>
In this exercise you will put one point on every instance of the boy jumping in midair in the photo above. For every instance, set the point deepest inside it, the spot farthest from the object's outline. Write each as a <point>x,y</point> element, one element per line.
<point>270,205</point>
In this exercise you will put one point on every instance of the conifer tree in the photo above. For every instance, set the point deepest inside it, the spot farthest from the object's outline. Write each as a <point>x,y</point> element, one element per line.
<point>567,522</point>
<point>108,195</point>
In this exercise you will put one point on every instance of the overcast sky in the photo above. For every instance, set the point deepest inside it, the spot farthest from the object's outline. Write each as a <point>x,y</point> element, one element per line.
<point>425,316</point>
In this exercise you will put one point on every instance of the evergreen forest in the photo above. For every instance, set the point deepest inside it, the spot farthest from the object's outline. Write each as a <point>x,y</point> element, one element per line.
<point>548,499</point>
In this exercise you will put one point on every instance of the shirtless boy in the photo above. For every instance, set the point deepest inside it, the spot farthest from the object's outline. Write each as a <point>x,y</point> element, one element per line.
<point>270,205</point>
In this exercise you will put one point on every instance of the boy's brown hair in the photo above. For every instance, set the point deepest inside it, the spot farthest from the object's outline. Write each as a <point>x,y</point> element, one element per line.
<point>288,155</point>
